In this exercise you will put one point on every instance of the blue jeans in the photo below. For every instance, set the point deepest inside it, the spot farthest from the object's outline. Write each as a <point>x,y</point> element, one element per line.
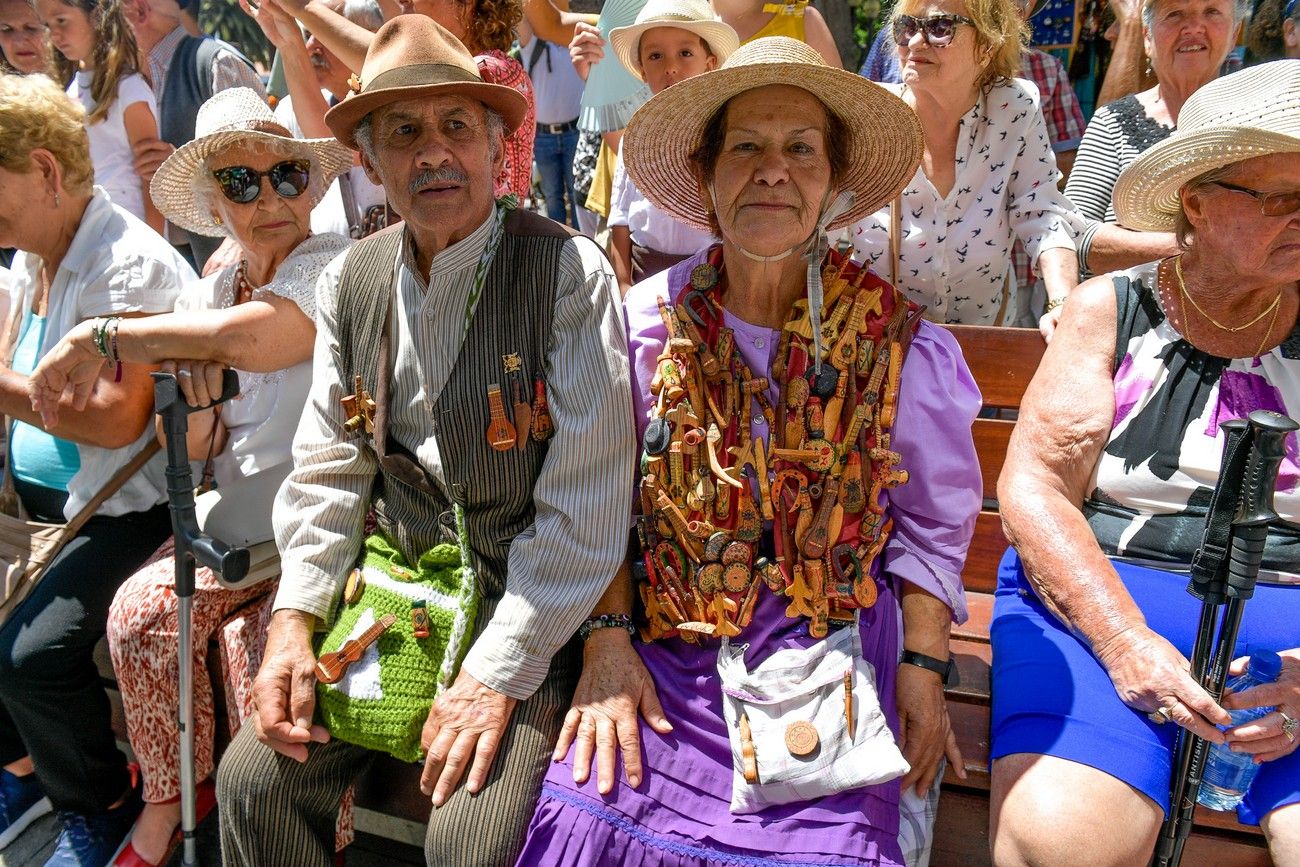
<point>553,153</point>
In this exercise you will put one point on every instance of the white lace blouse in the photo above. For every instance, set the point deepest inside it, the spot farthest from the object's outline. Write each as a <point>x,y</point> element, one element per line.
<point>263,418</point>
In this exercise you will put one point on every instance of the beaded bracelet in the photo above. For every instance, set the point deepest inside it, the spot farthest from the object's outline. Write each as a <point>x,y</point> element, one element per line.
<point>1053,304</point>
<point>114,358</point>
<point>603,621</point>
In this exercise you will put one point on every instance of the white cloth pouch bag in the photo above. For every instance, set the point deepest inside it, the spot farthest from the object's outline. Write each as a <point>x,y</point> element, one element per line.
<point>806,685</point>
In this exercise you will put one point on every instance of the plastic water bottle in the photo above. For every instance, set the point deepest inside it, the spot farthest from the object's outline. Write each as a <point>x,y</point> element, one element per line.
<point>1227,774</point>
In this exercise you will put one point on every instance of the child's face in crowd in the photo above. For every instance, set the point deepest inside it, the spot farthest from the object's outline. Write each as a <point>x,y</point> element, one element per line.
<point>70,29</point>
<point>670,54</point>
<point>22,36</point>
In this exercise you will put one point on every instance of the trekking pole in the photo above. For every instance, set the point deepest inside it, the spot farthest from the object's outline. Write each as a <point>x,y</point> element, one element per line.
<point>192,546</point>
<point>1224,572</point>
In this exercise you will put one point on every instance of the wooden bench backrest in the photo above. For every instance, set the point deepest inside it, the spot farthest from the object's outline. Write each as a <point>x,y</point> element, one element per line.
<point>1002,361</point>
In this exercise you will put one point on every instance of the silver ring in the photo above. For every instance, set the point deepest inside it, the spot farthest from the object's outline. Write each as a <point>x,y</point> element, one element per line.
<point>1160,715</point>
<point>1289,725</point>
<point>183,372</point>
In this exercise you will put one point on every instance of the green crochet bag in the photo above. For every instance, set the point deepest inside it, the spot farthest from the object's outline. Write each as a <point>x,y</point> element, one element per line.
<point>383,699</point>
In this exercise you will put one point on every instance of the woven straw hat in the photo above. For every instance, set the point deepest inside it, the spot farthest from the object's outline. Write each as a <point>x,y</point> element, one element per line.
<point>1251,113</point>
<point>236,115</point>
<point>693,15</point>
<point>413,56</point>
<point>884,145</point>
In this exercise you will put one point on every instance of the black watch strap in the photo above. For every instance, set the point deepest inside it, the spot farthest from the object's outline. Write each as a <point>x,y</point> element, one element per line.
<point>945,668</point>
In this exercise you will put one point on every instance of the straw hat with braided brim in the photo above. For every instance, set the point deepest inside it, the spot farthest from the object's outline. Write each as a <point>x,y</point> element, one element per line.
<point>1248,114</point>
<point>233,116</point>
<point>695,16</point>
<point>884,145</point>
<point>412,56</point>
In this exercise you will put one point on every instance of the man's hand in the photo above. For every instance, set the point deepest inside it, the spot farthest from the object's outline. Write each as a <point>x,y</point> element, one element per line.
<point>149,154</point>
<point>1148,673</point>
<point>587,48</point>
<point>284,693</point>
<point>466,722</point>
<point>614,686</point>
<point>924,732</point>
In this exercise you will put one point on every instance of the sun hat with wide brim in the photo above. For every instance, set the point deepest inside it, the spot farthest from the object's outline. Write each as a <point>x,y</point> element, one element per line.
<point>884,146</point>
<point>695,16</point>
<point>412,56</point>
<point>235,116</point>
<point>1248,114</point>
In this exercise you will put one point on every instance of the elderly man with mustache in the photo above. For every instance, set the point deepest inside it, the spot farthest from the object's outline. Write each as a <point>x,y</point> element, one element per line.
<point>470,389</point>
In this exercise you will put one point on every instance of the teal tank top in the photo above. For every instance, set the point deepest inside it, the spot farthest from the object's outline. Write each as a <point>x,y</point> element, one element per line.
<point>37,457</point>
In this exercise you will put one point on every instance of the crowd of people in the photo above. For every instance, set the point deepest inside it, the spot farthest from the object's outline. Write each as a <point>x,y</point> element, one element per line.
<point>598,437</point>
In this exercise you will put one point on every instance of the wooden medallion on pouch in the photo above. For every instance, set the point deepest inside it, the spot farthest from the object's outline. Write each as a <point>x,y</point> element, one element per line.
<point>801,738</point>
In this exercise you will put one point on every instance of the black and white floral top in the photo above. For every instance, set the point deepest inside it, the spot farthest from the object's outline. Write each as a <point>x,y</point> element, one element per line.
<point>955,251</point>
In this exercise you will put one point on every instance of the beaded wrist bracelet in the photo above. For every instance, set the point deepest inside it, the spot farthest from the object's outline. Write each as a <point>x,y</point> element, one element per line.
<point>603,621</point>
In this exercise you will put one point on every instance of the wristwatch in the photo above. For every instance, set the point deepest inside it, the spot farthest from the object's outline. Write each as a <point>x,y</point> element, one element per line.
<point>946,669</point>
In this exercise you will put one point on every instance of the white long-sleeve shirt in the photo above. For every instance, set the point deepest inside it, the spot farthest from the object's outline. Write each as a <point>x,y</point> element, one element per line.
<point>955,250</point>
<point>559,566</point>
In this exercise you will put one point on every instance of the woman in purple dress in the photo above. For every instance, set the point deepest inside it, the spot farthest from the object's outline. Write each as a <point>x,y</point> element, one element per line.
<point>807,491</point>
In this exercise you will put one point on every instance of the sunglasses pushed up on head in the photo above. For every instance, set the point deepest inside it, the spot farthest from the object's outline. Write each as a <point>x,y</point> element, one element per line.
<point>938,30</point>
<point>242,185</point>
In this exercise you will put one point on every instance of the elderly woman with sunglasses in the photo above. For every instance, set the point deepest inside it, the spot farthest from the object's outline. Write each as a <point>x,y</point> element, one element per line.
<point>988,175</point>
<point>246,177</point>
<point>1105,490</point>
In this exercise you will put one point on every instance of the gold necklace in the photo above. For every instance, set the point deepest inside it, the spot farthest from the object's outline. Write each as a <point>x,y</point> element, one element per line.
<point>1187,296</point>
<point>1271,323</point>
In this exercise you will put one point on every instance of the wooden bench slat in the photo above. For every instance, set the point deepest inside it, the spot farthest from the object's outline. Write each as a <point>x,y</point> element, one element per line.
<point>1002,360</point>
<point>976,628</point>
<point>991,436</point>
<point>980,574</point>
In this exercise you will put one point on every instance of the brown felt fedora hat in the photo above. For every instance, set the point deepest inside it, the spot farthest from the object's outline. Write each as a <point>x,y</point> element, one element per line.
<point>413,56</point>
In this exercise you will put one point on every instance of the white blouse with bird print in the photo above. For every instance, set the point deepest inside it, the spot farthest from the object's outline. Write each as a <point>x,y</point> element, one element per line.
<point>955,252</point>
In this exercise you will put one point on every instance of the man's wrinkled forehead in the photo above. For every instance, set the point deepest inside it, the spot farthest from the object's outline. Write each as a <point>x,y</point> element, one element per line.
<point>424,108</point>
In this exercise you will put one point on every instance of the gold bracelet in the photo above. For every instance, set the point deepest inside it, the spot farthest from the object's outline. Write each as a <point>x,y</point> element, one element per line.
<point>1054,303</point>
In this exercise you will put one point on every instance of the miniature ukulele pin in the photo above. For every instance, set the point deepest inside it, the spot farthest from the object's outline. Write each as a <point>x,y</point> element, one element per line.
<point>331,666</point>
<point>500,432</point>
<point>360,409</point>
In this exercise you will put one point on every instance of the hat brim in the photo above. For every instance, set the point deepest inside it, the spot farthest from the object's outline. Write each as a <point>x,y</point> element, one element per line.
<point>884,150</point>
<point>343,118</point>
<point>720,37</point>
<point>173,188</point>
<point>1146,195</point>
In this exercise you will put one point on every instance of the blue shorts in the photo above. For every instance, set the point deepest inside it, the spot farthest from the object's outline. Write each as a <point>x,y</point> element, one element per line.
<point>1052,697</point>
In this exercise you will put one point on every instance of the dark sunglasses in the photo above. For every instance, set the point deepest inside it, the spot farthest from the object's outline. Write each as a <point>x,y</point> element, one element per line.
<point>1270,204</point>
<point>938,29</point>
<point>243,185</point>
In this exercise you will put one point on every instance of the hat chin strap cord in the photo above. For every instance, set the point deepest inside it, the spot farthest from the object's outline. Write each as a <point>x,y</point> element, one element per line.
<point>814,249</point>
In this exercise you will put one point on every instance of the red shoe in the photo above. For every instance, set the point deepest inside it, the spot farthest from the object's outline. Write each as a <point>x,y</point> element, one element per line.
<point>205,800</point>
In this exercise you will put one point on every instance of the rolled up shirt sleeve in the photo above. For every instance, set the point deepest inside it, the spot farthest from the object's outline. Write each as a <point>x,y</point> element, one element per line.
<point>561,565</point>
<point>321,507</point>
<point>934,512</point>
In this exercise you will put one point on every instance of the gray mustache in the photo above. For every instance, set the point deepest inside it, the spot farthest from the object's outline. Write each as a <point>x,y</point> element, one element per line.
<point>433,176</point>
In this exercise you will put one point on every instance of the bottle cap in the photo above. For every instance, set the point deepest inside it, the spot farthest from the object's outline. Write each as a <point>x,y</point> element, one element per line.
<point>1265,666</point>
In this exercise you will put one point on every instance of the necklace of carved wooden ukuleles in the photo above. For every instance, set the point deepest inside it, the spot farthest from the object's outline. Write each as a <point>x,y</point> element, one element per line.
<point>708,485</point>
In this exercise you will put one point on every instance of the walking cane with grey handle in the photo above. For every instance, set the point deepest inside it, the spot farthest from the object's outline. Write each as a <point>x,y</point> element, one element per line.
<point>193,546</point>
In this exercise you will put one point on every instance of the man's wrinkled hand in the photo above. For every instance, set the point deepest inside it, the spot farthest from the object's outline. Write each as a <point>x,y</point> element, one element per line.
<point>463,731</point>
<point>924,732</point>
<point>613,689</point>
<point>284,693</point>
